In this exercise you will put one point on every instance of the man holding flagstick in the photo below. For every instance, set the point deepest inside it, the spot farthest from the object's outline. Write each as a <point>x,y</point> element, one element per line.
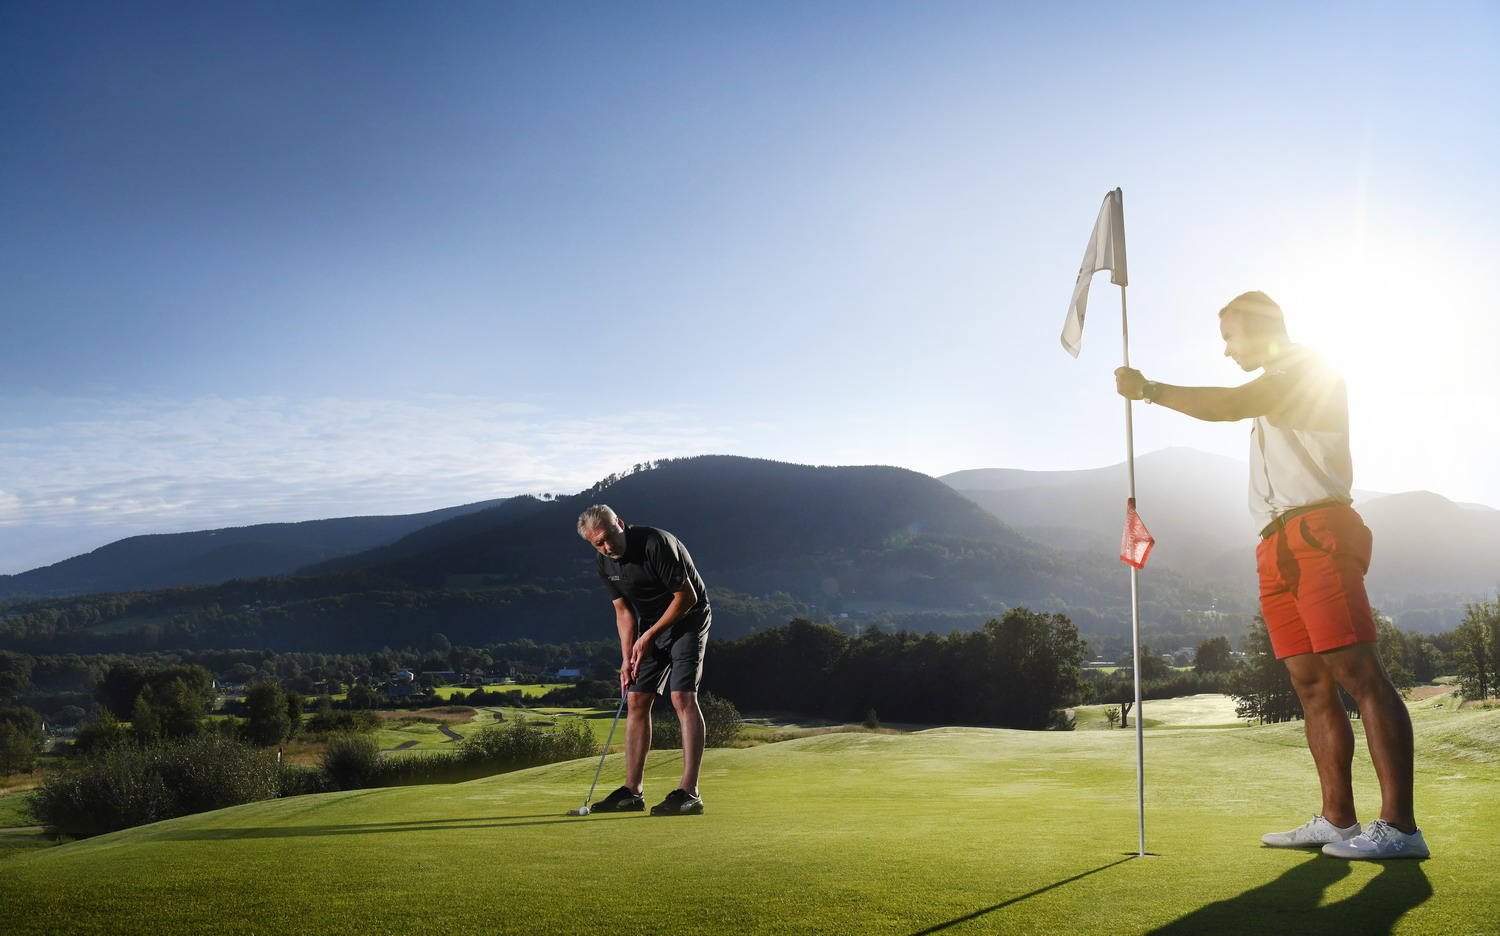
<point>1313,553</point>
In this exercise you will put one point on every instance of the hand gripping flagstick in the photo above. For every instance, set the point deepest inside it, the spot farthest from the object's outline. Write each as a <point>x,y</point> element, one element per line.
<point>1106,251</point>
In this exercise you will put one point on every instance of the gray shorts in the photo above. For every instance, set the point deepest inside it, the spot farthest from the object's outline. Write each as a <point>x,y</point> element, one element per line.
<point>675,665</point>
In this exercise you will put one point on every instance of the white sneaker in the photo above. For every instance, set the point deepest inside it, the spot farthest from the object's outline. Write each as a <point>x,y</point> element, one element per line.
<point>1313,834</point>
<point>1380,840</point>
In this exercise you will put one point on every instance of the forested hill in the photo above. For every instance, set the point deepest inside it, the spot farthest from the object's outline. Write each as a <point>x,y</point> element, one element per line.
<point>847,538</point>
<point>169,560</point>
<point>772,540</point>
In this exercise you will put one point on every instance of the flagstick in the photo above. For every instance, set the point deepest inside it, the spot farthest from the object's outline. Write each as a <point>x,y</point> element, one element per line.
<point>1135,602</point>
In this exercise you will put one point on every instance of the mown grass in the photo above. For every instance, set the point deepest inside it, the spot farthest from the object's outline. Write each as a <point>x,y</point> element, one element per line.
<point>953,830</point>
<point>12,811</point>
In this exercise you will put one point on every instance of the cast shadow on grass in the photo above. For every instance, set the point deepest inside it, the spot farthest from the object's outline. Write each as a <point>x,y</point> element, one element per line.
<point>373,828</point>
<point>1015,900</point>
<point>1290,904</point>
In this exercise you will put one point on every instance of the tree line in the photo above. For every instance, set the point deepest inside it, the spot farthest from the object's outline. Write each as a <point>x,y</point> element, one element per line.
<point>1014,672</point>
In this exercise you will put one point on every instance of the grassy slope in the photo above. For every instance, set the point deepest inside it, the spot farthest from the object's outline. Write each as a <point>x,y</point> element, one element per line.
<point>953,830</point>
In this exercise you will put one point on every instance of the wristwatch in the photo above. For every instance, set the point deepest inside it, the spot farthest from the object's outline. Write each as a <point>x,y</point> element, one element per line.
<point>1149,390</point>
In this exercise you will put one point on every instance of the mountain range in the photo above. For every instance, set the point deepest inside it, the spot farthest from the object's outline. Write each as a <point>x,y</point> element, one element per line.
<point>1428,549</point>
<point>168,560</point>
<point>835,541</point>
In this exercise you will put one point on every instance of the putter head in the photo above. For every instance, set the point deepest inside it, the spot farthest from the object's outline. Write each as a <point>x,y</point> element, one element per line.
<point>580,811</point>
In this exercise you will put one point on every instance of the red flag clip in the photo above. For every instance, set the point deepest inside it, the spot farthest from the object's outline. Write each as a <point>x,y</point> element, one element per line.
<point>1136,544</point>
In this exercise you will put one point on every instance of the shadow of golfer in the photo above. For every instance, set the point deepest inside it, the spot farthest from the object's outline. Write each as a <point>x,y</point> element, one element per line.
<point>1289,905</point>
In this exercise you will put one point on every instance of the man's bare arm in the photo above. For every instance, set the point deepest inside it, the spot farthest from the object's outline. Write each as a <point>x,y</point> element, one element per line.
<point>1259,397</point>
<point>625,624</point>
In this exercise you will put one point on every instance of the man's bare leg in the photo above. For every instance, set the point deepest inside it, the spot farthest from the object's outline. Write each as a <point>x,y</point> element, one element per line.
<point>1387,727</point>
<point>637,738</point>
<point>690,717</point>
<point>1329,735</point>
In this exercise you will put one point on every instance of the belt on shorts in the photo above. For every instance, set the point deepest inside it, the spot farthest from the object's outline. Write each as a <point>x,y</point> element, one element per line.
<point>1287,516</point>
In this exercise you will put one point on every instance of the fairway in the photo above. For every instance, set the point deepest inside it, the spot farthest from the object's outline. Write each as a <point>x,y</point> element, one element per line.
<point>951,830</point>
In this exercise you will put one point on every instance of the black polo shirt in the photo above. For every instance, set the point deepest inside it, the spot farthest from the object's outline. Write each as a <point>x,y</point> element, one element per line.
<point>652,571</point>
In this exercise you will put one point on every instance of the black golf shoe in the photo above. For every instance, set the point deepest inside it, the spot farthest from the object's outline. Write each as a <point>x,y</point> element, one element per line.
<point>679,802</point>
<point>621,800</point>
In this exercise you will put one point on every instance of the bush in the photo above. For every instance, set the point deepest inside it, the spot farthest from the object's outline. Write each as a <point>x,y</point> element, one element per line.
<point>328,722</point>
<point>518,744</point>
<point>127,786</point>
<point>351,762</point>
<point>298,780</point>
<point>99,733</point>
<point>721,724</point>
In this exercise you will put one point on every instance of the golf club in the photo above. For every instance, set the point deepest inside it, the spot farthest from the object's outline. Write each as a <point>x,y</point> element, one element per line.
<point>584,809</point>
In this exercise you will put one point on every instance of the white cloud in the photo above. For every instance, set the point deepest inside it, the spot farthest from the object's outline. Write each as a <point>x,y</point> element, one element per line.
<point>151,466</point>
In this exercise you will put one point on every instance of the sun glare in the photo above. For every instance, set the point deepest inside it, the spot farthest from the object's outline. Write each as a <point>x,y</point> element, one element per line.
<point>1406,319</point>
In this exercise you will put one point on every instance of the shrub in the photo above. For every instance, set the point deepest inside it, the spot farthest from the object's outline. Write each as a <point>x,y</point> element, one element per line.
<point>99,733</point>
<point>20,739</point>
<point>127,786</point>
<point>351,762</point>
<point>358,720</point>
<point>721,724</point>
<point>519,744</point>
<point>298,780</point>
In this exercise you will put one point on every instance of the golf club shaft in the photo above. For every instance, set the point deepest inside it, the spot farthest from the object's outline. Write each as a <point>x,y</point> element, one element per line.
<point>605,752</point>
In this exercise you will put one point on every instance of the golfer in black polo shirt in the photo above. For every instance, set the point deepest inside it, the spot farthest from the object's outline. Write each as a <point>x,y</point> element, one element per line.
<point>662,614</point>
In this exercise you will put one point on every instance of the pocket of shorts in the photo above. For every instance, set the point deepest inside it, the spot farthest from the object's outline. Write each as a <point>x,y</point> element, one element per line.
<point>1319,534</point>
<point>1304,529</point>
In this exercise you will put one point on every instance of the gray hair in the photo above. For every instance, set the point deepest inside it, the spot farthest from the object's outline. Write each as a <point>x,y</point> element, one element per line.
<point>597,517</point>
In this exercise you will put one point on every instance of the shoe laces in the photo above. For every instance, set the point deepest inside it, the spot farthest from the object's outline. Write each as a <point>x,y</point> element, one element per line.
<point>1378,832</point>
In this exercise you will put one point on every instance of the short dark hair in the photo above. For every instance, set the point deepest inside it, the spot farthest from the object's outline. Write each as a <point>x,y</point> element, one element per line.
<point>1259,312</point>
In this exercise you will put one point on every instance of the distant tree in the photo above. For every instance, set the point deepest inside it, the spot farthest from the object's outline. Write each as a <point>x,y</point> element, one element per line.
<point>179,711</point>
<point>1262,687</point>
<point>362,696</point>
<point>20,739</point>
<point>1152,666</point>
<point>1476,649</point>
<point>267,721</point>
<point>1426,659</point>
<point>295,706</point>
<point>15,673</point>
<point>1213,656</point>
<point>1393,654</point>
<point>120,688</point>
<point>143,724</point>
<point>1023,666</point>
<point>100,732</point>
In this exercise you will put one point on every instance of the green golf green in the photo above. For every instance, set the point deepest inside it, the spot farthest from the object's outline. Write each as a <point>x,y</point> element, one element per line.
<point>951,830</point>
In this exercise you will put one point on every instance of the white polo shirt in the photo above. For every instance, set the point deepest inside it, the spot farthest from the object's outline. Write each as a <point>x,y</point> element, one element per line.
<point>1299,455</point>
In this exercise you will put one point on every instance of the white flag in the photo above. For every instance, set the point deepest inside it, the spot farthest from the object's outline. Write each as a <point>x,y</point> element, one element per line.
<point>1106,252</point>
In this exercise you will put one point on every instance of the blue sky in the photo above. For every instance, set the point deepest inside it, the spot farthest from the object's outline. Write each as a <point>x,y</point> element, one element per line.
<point>282,261</point>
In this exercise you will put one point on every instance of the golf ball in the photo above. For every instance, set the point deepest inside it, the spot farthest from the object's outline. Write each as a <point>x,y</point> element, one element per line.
<point>583,810</point>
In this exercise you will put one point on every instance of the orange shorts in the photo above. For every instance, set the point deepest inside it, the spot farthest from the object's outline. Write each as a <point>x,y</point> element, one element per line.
<point>1312,582</point>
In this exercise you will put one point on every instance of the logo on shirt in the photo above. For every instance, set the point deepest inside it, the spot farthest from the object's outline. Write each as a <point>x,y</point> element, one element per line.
<point>614,578</point>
